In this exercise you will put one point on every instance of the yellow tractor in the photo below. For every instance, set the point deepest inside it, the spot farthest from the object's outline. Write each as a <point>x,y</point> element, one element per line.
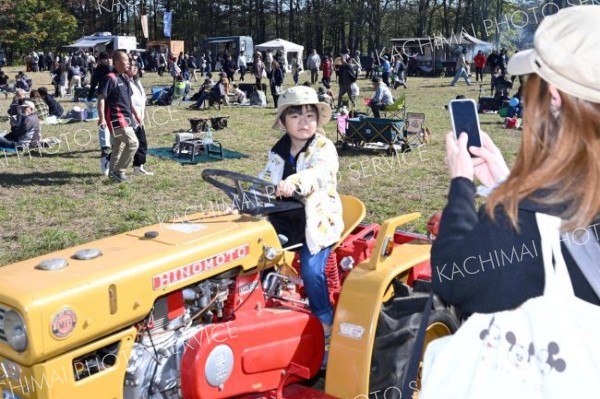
<point>211,306</point>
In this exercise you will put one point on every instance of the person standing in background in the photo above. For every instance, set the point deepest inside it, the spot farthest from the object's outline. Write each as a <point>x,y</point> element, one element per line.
<point>479,62</point>
<point>138,101</point>
<point>314,63</point>
<point>242,65</point>
<point>116,112</point>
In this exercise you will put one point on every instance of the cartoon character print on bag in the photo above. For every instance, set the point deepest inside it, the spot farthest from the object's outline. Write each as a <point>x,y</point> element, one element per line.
<point>546,360</point>
<point>518,354</point>
<point>507,354</point>
<point>491,336</point>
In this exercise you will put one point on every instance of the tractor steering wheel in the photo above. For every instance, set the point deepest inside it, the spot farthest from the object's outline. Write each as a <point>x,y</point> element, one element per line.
<point>258,198</point>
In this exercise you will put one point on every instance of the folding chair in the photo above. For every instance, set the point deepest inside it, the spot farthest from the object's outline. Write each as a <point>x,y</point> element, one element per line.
<point>178,92</point>
<point>397,109</point>
<point>414,133</point>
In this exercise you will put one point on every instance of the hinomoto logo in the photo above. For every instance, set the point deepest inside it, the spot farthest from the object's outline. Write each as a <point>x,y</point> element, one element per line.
<point>63,323</point>
<point>188,271</point>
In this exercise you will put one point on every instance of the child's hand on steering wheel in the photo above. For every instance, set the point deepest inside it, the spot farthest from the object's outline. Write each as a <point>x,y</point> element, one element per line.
<point>285,189</point>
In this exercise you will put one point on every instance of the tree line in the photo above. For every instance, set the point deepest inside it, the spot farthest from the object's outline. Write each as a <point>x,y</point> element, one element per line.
<point>325,25</point>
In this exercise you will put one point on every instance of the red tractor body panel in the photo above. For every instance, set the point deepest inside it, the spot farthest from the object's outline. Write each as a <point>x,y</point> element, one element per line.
<point>264,344</point>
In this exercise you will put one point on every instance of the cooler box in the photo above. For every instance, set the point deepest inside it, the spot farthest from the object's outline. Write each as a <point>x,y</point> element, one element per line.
<point>79,114</point>
<point>92,113</point>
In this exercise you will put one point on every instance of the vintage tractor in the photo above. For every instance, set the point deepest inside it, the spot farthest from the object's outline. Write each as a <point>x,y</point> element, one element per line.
<point>210,307</point>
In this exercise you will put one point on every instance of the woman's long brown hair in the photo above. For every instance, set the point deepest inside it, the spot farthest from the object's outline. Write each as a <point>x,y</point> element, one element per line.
<point>559,155</point>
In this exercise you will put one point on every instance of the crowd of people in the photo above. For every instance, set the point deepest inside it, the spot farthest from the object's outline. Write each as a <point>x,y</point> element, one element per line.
<point>554,174</point>
<point>122,100</point>
<point>231,86</point>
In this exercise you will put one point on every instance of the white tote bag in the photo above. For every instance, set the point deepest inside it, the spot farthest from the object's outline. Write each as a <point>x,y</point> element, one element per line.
<point>549,347</point>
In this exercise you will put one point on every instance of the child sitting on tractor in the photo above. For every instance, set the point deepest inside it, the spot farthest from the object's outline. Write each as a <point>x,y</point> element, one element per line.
<point>304,164</point>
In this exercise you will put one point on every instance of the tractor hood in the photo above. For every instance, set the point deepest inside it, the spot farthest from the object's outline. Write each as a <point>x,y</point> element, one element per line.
<point>82,300</point>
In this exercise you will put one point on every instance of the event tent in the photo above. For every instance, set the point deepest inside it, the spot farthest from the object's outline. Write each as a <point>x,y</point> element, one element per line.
<point>471,43</point>
<point>289,49</point>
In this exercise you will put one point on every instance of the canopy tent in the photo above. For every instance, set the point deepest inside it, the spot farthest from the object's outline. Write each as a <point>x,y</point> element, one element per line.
<point>438,53</point>
<point>467,40</point>
<point>471,43</point>
<point>289,49</point>
<point>104,41</point>
<point>419,51</point>
<point>89,42</point>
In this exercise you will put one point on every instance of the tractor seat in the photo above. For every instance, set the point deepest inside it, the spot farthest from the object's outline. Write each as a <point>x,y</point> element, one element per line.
<point>353,213</point>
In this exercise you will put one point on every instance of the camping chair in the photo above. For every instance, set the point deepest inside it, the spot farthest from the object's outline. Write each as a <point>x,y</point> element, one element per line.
<point>397,109</point>
<point>179,92</point>
<point>414,133</point>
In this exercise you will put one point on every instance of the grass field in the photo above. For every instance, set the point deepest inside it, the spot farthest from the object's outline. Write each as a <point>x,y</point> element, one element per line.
<point>59,199</point>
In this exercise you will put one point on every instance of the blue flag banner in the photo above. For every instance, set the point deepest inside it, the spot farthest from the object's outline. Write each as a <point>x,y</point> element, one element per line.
<point>167,23</point>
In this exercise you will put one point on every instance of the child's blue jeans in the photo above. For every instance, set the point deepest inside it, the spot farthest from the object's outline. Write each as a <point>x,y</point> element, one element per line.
<point>315,283</point>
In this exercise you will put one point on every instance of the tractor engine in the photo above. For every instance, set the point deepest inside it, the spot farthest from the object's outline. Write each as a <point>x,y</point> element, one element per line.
<point>153,371</point>
<point>219,339</point>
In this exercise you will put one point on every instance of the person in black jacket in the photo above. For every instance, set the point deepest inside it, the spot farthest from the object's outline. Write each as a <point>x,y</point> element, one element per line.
<point>54,107</point>
<point>346,76</point>
<point>276,81</point>
<point>102,69</point>
<point>491,260</point>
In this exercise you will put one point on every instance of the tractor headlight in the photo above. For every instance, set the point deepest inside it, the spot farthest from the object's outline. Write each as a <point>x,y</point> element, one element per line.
<point>15,331</point>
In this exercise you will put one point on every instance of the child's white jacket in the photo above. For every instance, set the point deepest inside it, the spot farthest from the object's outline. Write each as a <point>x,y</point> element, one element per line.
<point>316,181</point>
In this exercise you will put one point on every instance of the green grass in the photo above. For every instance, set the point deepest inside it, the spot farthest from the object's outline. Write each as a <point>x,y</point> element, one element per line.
<point>57,200</point>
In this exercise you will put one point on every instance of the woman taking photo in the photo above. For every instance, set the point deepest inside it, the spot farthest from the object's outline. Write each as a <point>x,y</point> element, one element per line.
<point>491,260</point>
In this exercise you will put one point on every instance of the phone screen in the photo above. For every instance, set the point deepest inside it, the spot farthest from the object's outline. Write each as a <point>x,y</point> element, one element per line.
<point>465,119</point>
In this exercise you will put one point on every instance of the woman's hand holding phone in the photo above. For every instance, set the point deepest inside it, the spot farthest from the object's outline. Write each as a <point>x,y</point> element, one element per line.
<point>487,165</point>
<point>458,158</point>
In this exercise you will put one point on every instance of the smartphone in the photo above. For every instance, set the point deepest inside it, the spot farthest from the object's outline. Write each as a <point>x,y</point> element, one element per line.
<point>463,114</point>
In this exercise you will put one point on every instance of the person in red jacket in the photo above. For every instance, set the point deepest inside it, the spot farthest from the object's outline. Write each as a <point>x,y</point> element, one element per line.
<point>326,67</point>
<point>479,62</point>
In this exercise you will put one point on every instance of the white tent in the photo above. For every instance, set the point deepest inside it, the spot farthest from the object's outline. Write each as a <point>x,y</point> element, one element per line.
<point>289,49</point>
<point>471,43</point>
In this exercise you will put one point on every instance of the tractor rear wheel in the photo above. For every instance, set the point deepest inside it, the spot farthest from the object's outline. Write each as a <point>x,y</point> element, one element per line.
<point>397,327</point>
